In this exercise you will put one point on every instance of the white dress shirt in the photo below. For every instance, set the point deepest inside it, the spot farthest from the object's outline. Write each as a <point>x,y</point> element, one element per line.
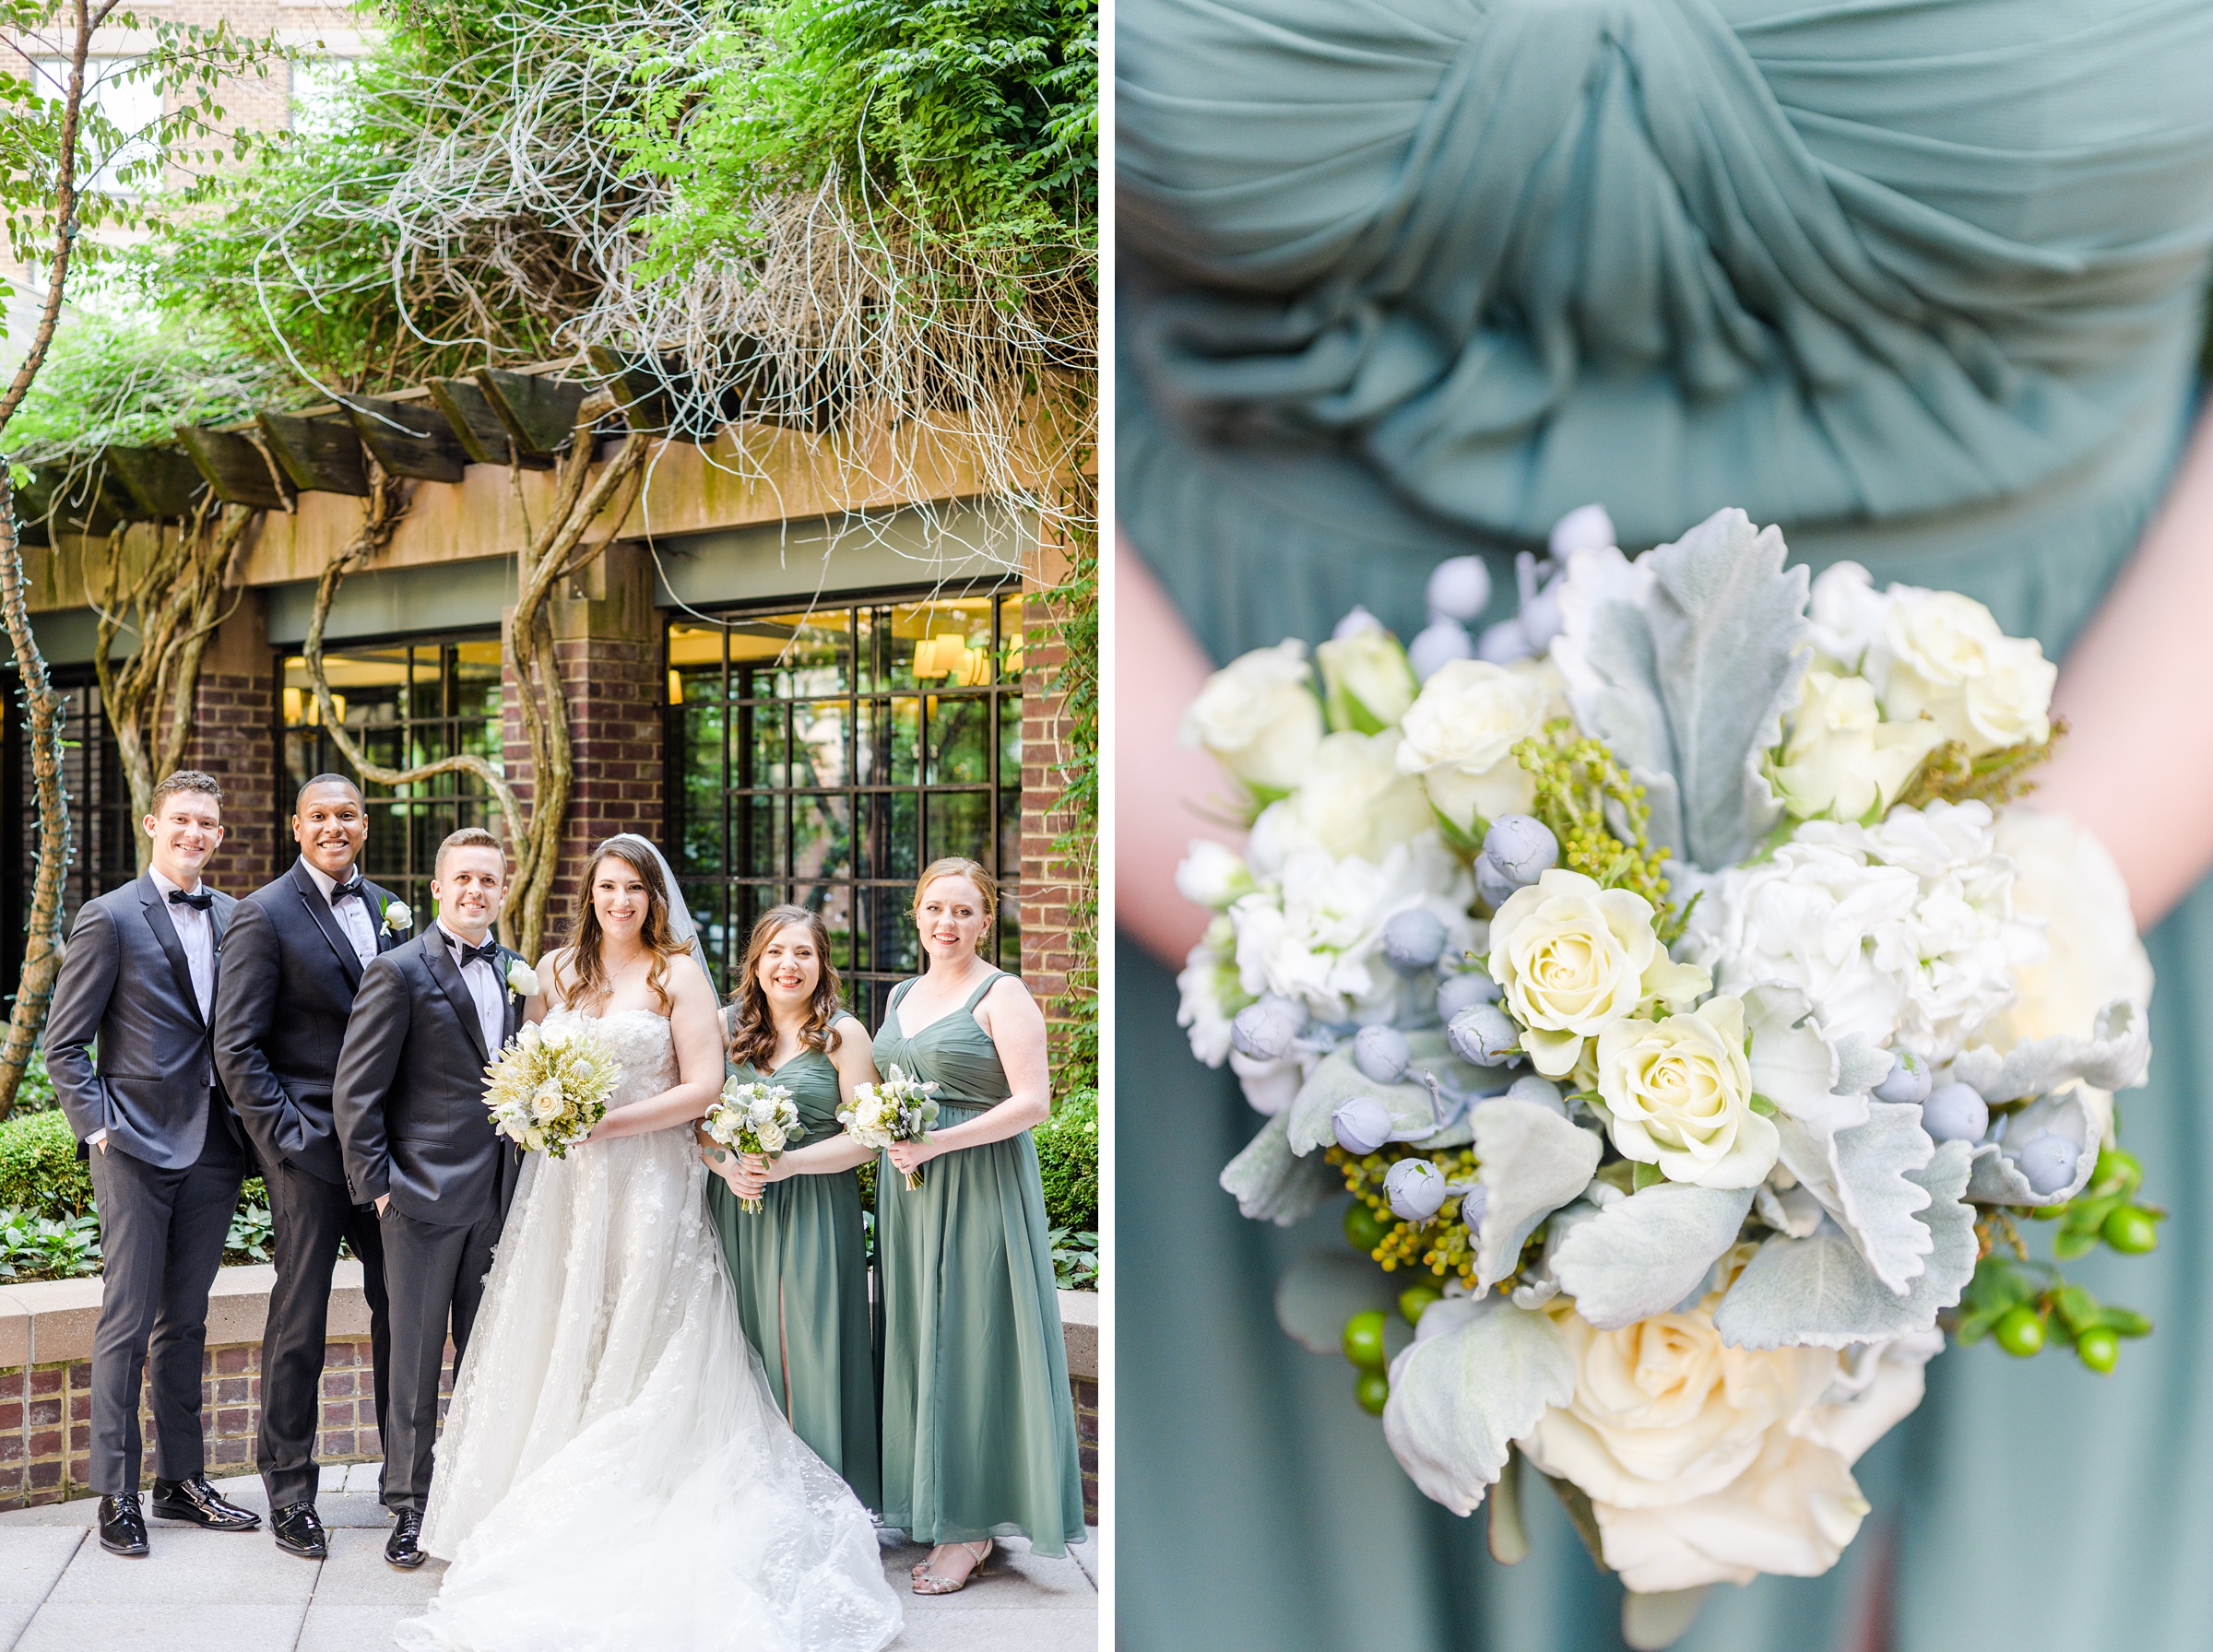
<point>195,931</point>
<point>485,987</point>
<point>351,912</point>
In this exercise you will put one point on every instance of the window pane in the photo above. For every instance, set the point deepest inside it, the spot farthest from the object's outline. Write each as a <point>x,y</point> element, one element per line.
<point>821,833</point>
<point>960,748</point>
<point>959,823</point>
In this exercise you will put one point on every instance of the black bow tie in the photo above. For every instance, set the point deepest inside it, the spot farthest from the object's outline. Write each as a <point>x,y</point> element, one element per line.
<point>199,899</point>
<point>338,891</point>
<point>486,954</point>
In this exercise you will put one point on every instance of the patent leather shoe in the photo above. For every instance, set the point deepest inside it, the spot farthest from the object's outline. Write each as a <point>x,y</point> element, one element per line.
<point>197,1503</point>
<point>298,1531</point>
<point>403,1548</point>
<point>122,1526</point>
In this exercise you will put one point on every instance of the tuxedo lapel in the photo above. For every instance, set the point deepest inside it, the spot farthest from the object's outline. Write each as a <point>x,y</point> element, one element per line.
<point>440,962</point>
<point>386,937</point>
<point>514,999</point>
<point>165,932</point>
<point>318,909</point>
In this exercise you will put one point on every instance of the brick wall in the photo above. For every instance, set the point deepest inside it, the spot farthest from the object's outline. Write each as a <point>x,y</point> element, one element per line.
<point>1087,1442</point>
<point>1047,882</point>
<point>235,738</point>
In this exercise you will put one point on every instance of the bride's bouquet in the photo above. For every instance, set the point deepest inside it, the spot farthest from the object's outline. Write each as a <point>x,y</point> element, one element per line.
<point>549,1085</point>
<point>1672,982</point>
<point>898,1109</point>
<point>753,1117</point>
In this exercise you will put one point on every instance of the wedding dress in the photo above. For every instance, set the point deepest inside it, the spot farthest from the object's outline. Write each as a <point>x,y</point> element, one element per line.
<point>613,1473</point>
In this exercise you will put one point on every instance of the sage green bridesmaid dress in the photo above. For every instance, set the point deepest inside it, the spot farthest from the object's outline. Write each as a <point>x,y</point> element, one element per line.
<point>1402,280</point>
<point>800,1269</point>
<point>979,1427</point>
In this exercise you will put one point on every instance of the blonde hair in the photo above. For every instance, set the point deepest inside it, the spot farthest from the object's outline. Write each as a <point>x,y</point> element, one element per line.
<point>960,866</point>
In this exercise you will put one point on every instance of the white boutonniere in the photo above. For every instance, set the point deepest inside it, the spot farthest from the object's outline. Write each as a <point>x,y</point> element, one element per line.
<point>397,916</point>
<point>521,980</point>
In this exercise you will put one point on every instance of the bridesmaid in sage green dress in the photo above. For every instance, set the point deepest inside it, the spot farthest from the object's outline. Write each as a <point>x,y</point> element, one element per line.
<point>800,1265</point>
<point>979,1429</point>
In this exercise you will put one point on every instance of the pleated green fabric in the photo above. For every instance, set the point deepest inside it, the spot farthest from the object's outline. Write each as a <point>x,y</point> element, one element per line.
<point>800,1267</point>
<point>1921,280</point>
<point>979,1426</point>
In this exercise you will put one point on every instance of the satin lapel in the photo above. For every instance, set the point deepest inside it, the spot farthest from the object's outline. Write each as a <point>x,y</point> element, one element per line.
<point>379,898</point>
<point>328,921</point>
<point>441,964</point>
<point>157,919</point>
<point>514,999</point>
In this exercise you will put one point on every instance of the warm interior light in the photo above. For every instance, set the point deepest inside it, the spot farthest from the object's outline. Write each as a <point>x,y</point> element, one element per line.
<point>676,687</point>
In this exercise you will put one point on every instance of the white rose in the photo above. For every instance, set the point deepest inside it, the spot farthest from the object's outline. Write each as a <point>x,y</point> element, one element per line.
<point>1367,682</point>
<point>1210,993</point>
<point>1352,800</point>
<point>397,916</point>
<point>1259,717</point>
<point>1460,735</point>
<point>1949,662</point>
<point>771,1136</point>
<point>1572,958</point>
<point>1678,1094</point>
<point>1710,1464</point>
<point>557,1034</point>
<point>522,979</point>
<point>1840,758</point>
<point>1845,619</point>
<point>1213,875</point>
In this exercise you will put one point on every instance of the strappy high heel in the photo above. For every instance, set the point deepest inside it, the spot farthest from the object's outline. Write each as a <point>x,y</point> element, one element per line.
<point>930,1583</point>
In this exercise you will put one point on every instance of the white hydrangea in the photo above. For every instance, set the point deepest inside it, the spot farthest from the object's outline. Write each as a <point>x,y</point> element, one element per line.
<point>1317,933</point>
<point>1210,996</point>
<point>1903,933</point>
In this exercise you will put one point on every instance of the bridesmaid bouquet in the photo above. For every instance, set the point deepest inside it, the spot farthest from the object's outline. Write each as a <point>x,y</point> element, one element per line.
<point>549,1086</point>
<point>1669,978</point>
<point>754,1118</point>
<point>899,1109</point>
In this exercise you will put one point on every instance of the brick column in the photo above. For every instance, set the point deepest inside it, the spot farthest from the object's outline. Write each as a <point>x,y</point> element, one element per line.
<point>1048,883</point>
<point>235,738</point>
<point>607,642</point>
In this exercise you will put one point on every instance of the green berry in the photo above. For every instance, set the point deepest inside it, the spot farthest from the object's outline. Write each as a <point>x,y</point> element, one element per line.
<point>2021,1331</point>
<point>2131,1230</point>
<point>2118,1164</point>
<point>2099,1348</point>
<point>1414,1300</point>
<point>1364,1230</point>
<point>1364,1340</point>
<point>1372,1390</point>
<point>2050,1212</point>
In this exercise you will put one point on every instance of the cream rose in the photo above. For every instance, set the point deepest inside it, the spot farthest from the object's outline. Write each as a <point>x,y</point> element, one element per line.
<point>1213,875</point>
<point>1710,1464</point>
<point>1840,758</point>
<point>1949,662</point>
<point>1352,800</point>
<point>1572,958</point>
<point>1258,716</point>
<point>1367,683</point>
<point>1678,1094</point>
<point>1460,736</point>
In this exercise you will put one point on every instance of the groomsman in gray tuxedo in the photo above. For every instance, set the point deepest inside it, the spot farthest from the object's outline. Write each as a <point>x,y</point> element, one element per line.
<point>418,1144</point>
<point>166,1152</point>
<point>293,961</point>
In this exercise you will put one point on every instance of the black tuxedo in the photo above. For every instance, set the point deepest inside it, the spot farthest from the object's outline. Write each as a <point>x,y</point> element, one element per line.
<point>166,1181</point>
<point>409,1105</point>
<point>280,1020</point>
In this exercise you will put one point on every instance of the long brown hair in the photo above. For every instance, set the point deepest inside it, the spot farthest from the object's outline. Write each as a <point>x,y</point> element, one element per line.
<point>582,959</point>
<point>753,1030</point>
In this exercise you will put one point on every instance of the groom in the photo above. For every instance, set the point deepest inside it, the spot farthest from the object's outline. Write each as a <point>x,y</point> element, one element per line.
<point>166,1152</point>
<point>418,1143</point>
<point>294,957</point>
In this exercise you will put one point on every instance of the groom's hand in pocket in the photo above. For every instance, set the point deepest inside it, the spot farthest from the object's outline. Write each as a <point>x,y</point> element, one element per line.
<point>382,1199</point>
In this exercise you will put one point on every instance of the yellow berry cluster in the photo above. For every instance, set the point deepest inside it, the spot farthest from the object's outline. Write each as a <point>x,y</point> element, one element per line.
<point>1576,779</point>
<point>1441,1244</point>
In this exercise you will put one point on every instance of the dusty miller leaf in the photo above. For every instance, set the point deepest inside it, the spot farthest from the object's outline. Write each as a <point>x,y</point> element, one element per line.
<point>1997,1180</point>
<point>2112,1057</point>
<point>1479,1376</point>
<point>1728,626</point>
<point>1532,1161</point>
<point>1336,1081</point>
<point>1642,1255</point>
<point>1271,1183</point>
<point>1821,1291</point>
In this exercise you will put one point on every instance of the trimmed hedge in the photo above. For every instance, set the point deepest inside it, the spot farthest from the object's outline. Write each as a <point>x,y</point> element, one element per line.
<point>1068,1161</point>
<point>38,1167</point>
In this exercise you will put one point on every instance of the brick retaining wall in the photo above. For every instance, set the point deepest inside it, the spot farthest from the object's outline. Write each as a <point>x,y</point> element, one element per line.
<point>46,1375</point>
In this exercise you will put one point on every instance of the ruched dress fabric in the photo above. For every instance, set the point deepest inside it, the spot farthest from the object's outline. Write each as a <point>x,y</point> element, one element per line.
<point>979,1426</point>
<point>801,1267</point>
<point>613,1473</point>
<point>1404,280</point>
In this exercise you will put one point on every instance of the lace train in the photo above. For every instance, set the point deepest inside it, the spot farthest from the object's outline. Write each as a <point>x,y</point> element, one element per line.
<point>613,1473</point>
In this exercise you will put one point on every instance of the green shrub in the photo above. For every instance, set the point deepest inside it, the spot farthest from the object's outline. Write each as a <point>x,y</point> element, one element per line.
<point>1068,1161</point>
<point>35,1093</point>
<point>40,1171</point>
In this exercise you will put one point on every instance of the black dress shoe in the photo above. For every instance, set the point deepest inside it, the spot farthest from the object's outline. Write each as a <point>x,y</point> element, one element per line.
<point>298,1532</point>
<point>197,1503</point>
<point>121,1527</point>
<point>403,1547</point>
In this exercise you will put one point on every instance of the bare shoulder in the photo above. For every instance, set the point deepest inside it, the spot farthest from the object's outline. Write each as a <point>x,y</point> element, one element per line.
<point>1009,998</point>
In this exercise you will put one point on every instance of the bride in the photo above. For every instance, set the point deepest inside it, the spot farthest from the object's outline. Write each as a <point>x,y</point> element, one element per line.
<point>613,1473</point>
